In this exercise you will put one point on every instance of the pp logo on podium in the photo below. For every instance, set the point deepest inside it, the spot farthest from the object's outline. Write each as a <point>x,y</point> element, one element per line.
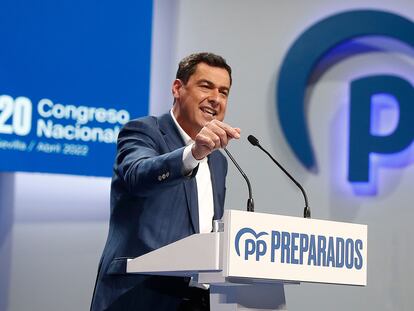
<point>252,246</point>
<point>294,248</point>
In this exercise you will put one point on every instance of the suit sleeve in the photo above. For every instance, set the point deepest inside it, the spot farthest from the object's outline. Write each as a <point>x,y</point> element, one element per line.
<point>140,162</point>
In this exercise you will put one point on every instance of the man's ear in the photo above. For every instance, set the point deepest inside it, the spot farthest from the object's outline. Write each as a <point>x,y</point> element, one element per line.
<point>176,86</point>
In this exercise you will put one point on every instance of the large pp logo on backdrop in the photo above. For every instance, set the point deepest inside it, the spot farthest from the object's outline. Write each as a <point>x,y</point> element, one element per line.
<point>367,93</point>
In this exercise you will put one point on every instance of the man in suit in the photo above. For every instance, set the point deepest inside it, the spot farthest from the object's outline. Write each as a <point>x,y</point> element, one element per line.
<point>168,183</point>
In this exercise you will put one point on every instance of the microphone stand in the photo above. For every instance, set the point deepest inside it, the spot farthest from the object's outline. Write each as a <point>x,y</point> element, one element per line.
<point>255,142</point>
<point>250,202</point>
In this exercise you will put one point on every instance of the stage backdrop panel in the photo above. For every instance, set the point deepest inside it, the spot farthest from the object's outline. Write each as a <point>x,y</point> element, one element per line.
<point>72,73</point>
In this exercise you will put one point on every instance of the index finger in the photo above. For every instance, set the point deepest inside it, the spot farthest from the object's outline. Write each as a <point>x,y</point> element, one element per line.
<point>230,131</point>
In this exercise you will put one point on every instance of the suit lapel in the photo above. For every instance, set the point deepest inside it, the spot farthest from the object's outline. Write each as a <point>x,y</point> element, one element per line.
<point>190,187</point>
<point>174,141</point>
<point>171,134</point>
<point>213,175</point>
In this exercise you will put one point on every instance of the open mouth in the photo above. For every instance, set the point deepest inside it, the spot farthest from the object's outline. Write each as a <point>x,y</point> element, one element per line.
<point>209,111</point>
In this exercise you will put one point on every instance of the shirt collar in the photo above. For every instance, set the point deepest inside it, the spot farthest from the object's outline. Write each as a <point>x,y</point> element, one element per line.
<point>186,138</point>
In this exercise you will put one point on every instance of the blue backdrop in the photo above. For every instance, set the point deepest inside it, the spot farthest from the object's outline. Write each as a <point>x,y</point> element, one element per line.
<point>71,74</point>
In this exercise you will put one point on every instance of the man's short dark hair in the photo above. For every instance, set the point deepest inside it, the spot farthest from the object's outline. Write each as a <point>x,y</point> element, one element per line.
<point>188,65</point>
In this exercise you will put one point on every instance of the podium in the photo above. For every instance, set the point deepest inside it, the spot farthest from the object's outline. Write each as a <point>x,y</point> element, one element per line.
<point>252,256</point>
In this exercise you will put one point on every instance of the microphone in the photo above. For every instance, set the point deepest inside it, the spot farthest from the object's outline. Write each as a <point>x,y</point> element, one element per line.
<point>255,142</point>
<point>250,202</point>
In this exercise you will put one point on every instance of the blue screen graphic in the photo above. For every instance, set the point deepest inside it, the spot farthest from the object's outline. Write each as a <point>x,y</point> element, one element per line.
<point>71,74</point>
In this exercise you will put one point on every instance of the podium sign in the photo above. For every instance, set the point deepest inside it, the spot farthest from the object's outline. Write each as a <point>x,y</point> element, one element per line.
<point>249,262</point>
<point>274,247</point>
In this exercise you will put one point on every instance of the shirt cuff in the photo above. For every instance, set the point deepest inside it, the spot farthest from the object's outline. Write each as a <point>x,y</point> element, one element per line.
<point>189,162</point>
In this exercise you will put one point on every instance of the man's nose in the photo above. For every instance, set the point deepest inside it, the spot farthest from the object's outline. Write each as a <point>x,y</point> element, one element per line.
<point>214,97</point>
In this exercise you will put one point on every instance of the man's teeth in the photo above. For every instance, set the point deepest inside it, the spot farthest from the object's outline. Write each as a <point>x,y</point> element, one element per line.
<point>209,111</point>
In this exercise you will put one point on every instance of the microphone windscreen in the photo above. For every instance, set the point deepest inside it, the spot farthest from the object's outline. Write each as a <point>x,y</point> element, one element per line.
<point>253,140</point>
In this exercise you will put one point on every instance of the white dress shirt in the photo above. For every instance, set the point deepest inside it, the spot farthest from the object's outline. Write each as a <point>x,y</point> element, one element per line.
<point>203,180</point>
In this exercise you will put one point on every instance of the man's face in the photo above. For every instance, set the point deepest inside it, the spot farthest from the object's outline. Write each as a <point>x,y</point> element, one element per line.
<point>202,99</point>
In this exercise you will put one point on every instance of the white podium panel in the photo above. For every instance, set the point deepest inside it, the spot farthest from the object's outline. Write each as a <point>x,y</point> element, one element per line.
<point>249,262</point>
<point>186,257</point>
<point>265,246</point>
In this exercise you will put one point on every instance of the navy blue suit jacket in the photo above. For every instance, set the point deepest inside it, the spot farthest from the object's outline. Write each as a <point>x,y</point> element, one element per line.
<point>152,204</point>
